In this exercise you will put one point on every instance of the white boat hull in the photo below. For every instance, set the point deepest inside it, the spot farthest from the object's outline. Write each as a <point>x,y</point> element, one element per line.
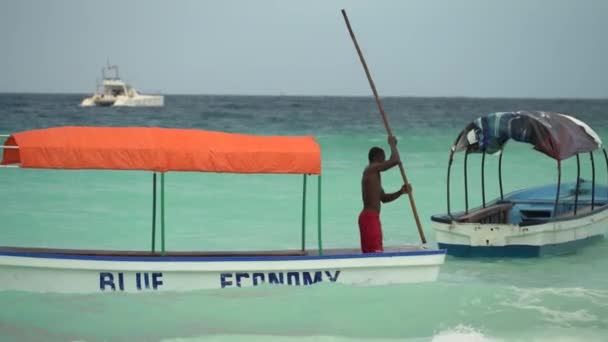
<point>126,101</point>
<point>140,101</point>
<point>554,237</point>
<point>64,273</point>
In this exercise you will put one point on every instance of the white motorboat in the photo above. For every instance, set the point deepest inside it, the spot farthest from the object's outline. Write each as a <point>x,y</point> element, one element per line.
<point>115,92</point>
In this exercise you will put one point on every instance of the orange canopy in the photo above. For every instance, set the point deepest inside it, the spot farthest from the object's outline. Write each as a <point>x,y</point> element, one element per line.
<point>162,150</point>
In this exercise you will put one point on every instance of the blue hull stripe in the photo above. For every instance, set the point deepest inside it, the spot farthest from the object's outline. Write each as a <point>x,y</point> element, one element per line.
<point>518,251</point>
<point>221,259</point>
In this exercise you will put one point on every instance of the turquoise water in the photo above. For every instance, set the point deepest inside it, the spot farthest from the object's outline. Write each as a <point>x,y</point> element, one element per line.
<point>561,298</point>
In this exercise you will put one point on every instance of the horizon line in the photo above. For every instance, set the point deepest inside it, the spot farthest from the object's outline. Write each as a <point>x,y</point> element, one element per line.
<point>330,95</point>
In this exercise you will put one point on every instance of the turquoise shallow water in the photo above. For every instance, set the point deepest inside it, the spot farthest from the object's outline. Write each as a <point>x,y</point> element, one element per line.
<point>555,298</point>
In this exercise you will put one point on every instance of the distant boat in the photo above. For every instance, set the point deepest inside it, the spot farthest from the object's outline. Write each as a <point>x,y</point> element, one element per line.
<point>551,219</point>
<point>115,92</point>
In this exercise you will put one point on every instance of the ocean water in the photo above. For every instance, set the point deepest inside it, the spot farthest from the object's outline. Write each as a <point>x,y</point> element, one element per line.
<point>562,298</point>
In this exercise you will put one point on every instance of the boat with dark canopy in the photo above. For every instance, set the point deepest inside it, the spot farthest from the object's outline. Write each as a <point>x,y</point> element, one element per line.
<point>556,218</point>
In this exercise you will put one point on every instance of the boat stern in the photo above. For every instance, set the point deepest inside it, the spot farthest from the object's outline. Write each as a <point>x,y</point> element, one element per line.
<point>512,240</point>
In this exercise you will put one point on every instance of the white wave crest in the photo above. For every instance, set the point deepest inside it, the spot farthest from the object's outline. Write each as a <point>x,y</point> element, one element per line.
<point>532,299</point>
<point>462,333</point>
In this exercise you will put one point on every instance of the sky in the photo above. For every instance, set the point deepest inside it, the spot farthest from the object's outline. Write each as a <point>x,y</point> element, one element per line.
<point>434,48</point>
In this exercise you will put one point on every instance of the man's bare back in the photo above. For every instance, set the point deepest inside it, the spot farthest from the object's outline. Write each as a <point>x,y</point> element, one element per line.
<point>371,189</point>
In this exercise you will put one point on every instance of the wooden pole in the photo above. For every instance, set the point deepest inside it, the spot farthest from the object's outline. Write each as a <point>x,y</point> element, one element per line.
<point>386,124</point>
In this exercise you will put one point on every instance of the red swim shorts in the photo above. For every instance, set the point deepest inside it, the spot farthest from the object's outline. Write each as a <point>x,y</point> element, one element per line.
<point>371,232</point>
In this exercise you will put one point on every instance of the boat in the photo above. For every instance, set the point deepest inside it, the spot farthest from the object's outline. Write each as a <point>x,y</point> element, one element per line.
<point>550,219</point>
<point>115,92</point>
<point>164,150</point>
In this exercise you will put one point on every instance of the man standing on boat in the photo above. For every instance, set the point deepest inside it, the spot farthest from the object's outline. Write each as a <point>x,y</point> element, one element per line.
<point>370,227</point>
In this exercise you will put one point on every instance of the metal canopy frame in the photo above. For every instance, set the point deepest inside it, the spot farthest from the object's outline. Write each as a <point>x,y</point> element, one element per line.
<point>500,182</point>
<point>162,208</point>
<point>162,213</point>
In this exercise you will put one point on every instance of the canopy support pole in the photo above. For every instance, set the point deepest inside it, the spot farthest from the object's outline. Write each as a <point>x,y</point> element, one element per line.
<point>578,182</point>
<point>448,181</point>
<point>559,181</point>
<point>466,184</point>
<point>500,174</point>
<point>320,241</point>
<point>592,180</point>
<point>605,158</point>
<point>304,215</point>
<point>153,210</point>
<point>162,212</point>
<point>483,179</point>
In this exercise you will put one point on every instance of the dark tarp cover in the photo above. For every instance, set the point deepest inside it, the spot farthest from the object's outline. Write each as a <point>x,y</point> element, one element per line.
<point>557,135</point>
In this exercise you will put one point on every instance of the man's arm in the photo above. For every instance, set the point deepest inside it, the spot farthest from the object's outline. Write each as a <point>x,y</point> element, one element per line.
<point>385,198</point>
<point>379,167</point>
<point>392,161</point>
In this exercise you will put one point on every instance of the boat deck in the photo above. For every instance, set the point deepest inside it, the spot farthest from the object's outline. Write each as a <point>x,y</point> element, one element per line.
<point>93,252</point>
<point>534,206</point>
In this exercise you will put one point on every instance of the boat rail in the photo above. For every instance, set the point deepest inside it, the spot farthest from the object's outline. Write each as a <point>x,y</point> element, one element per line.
<point>8,148</point>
